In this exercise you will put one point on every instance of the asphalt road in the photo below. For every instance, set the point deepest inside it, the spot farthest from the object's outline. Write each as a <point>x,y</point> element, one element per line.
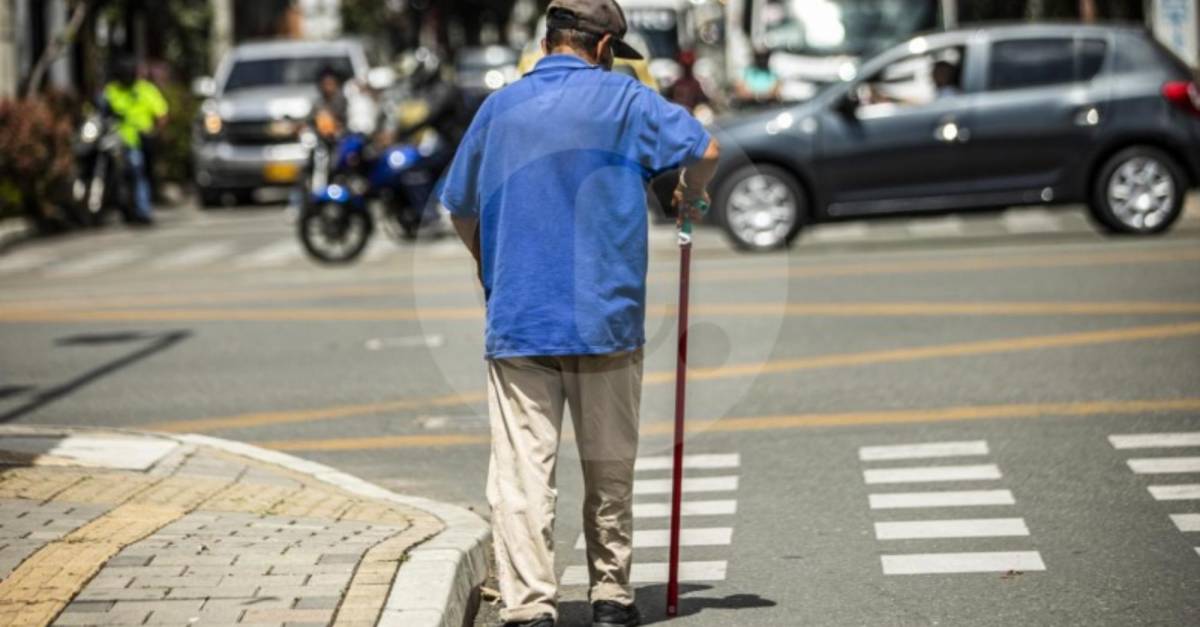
<point>1015,345</point>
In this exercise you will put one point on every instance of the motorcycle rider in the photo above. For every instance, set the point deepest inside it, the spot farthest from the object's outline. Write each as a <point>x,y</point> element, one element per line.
<point>142,110</point>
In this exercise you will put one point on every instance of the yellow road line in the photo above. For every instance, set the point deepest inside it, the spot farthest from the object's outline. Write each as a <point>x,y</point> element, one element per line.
<point>444,314</point>
<point>763,423</point>
<point>840,360</point>
<point>788,269</point>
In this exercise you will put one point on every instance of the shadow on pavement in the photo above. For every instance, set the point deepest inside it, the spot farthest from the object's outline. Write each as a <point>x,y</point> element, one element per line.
<point>651,601</point>
<point>158,342</point>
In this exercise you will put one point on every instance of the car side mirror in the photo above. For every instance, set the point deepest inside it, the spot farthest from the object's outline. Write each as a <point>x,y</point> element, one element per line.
<point>204,87</point>
<point>848,104</point>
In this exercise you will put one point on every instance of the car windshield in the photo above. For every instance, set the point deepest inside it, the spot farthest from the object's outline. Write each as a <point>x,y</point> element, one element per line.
<point>252,73</point>
<point>850,27</point>
<point>659,29</point>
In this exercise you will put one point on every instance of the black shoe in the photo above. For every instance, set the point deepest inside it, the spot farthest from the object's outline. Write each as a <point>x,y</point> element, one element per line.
<point>613,614</point>
<point>541,621</point>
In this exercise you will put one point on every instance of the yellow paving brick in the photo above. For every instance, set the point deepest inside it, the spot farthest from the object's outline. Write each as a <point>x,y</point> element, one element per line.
<point>375,513</point>
<point>350,615</point>
<point>313,502</point>
<point>37,484</point>
<point>255,498</point>
<point>107,488</point>
<point>181,492</point>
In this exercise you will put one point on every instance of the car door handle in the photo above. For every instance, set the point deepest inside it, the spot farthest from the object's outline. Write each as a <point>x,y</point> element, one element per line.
<point>951,132</point>
<point>1087,116</point>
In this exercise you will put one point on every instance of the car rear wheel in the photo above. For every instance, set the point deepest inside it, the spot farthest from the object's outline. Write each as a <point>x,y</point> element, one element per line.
<point>1139,191</point>
<point>762,207</point>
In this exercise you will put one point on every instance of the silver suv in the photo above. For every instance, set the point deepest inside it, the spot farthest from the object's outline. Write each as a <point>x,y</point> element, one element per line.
<point>247,135</point>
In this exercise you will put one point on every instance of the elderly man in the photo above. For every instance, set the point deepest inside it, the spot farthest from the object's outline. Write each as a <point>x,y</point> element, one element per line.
<point>548,191</point>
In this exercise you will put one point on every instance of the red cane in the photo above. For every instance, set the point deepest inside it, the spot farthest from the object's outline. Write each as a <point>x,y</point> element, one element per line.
<point>685,262</point>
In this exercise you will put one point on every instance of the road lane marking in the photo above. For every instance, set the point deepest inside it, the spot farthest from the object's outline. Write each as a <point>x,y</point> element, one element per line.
<point>687,508</point>
<point>96,263</point>
<point>696,462</point>
<point>949,498</point>
<point>1177,492</point>
<point>273,255</point>
<point>660,428</point>
<point>1164,465</point>
<point>1186,522</point>
<point>922,451</point>
<point>1031,222</point>
<point>924,474</point>
<point>26,260</point>
<point>945,563</point>
<point>846,232</point>
<point>658,538</point>
<point>696,484</point>
<point>949,226</point>
<point>965,528</point>
<point>1155,440</point>
<point>653,572</point>
<point>194,255</point>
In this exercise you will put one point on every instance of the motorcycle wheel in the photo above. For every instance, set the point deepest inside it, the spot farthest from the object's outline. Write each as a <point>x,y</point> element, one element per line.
<point>333,233</point>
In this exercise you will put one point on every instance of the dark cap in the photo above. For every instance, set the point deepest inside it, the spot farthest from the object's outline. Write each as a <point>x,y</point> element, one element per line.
<point>600,17</point>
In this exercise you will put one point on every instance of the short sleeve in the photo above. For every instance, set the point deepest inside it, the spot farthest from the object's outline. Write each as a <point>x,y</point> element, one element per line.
<point>669,136</point>
<point>460,191</point>
<point>157,103</point>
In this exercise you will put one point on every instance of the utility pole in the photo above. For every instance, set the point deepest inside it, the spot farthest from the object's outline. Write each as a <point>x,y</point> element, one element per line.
<point>222,32</point>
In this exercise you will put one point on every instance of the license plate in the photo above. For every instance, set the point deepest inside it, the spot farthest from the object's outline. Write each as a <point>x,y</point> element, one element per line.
<point>281,172</point>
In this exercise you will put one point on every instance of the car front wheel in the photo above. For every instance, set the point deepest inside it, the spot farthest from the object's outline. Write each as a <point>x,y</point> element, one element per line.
<point>762,207</point>
<point>1139,191</point>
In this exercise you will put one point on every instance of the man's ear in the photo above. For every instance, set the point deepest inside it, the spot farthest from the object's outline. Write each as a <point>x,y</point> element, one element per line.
<point>603,47</point>
<point>545,46</point>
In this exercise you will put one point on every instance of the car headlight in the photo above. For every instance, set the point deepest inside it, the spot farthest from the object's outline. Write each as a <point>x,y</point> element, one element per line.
<point>90,132</point>
<point>212,123</point>
<point>494,79</point>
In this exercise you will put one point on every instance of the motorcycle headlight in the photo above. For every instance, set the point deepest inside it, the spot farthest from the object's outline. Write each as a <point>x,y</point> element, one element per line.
<point>90,132</point>
<point>212,123</point>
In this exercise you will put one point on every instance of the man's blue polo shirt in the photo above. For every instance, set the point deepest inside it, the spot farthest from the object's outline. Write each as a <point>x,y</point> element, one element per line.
<point>555,166</point>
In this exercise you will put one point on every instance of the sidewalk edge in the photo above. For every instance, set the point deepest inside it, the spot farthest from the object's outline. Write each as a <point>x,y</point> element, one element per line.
<point>436,583</point>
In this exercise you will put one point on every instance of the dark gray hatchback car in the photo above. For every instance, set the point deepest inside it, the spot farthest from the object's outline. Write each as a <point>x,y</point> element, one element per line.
<point>971,120</point>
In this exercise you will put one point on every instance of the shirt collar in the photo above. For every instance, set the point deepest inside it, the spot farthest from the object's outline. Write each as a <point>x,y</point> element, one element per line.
<point>562,62</point>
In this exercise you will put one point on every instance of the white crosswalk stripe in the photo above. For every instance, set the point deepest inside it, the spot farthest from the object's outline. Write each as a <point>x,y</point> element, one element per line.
<point>654,572</point>
<point>658,538</point>
<point>847,232</point>
<point>274,255</point>
<point>26,260</point>
<point>691,462</point>
<point>957,528</point>
<point>1031,221</point>
<point>696,484</point>
<point>1164,465</point>
<point>950,226</point>
<point>1181,492</point>
<point>1155,440</point>
<point>922,451</point>
<point>194,255</point>
<point>923,474</point>
<point>686,508</point>
<point>95,263</point>
<point>1186,522</point>
<point>946,563</point>
<point>955,498</point>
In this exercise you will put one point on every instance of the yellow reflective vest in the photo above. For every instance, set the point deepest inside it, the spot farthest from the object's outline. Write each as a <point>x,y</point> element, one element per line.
<point>138,107</point>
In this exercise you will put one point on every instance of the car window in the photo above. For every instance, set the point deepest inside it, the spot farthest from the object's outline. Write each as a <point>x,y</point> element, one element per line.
<point>1024,63</point>
<point>914,81</point>
<point>1142,54</point>
<point>252,73</point>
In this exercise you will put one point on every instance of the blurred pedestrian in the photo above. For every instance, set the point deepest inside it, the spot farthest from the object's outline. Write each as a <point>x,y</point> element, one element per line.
<point>759,84</point>
<point>687,92</point>
<point>142,111</point>
<point>548,192</point>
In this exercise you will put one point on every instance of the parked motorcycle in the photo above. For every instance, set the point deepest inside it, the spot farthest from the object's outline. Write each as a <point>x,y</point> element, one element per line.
<point>393,188</point>
<point>99,170</point>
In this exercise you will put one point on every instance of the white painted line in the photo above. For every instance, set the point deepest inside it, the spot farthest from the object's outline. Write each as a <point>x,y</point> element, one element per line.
<point>922,451</point>
<point>195,255</point>
<point>973,528</point>
<point>658,538</point>
<point>96,263</point>
<point>653,572</point>
<point>942,563</point>
<point>689,461</point>
<point>698,484</point>
<point>847,232</point>
<point>96,451</point>
<point>687,508</point>
<point>943,227</point>
<point>1186,522</point>
<point>26,260</point>
<point>1040,221</point>
<point>1180,492</point>
<point>1164,465</point>
<point>963,498</point>
<point>1155,440</point>
<point>273,255</point>
<point>379,249</point>
<point>918,474</point>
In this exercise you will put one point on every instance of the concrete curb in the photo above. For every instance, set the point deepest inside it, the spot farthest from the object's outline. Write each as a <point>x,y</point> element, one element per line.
<point>14,230</point>
<point>436,584</point>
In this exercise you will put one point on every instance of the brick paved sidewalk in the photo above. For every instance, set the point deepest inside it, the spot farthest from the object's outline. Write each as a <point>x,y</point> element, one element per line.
<point>123,529</point>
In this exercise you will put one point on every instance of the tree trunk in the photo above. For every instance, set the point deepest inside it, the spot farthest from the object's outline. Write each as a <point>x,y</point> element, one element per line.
<point>56,48</point>
<point>1087,11</point>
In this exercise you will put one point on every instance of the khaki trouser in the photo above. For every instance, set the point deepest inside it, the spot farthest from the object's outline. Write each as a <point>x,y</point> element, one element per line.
<point>525,401</point>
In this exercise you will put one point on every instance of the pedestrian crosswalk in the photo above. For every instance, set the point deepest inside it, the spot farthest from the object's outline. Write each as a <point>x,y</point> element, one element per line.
<point>907,519</point>
<point>651,513</point>
<point>1183,499</point>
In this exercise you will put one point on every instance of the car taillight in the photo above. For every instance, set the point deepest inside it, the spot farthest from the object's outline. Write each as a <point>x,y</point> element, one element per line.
<point>1183,94</point>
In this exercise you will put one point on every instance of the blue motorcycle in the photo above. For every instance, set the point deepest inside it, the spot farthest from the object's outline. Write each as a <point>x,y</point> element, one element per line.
<point>351,188</point>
